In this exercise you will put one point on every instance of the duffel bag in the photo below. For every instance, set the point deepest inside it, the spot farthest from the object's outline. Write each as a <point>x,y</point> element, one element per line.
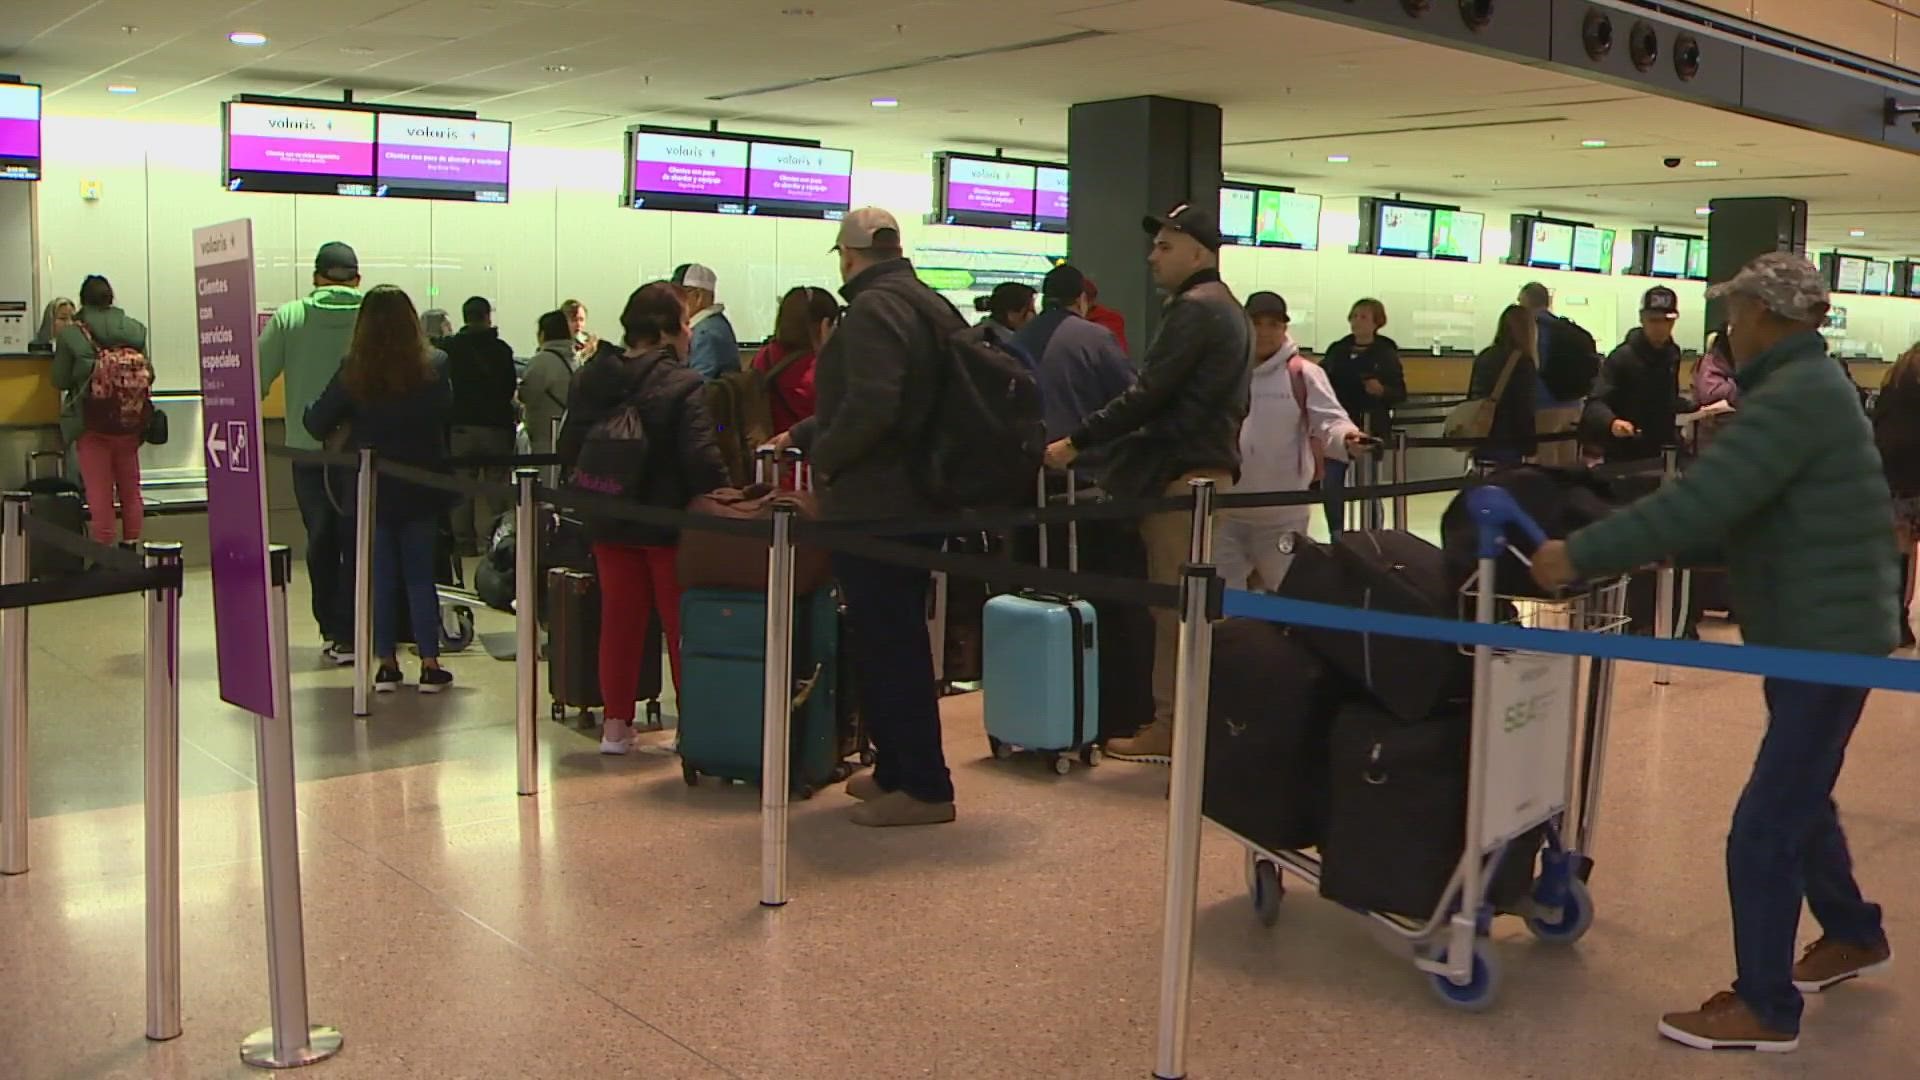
<point>1270,715</point>
<point>717,560</point>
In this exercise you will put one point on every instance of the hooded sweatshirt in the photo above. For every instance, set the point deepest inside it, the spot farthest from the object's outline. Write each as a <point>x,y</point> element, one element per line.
<point>1276,441</point>
<point>306,341</point>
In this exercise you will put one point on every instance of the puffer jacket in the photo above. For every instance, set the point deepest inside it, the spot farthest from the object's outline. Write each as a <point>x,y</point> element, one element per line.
<point>1640,384</point>
<point>1792,498</point>
<point>683,458</point>
<point>1184,413</point>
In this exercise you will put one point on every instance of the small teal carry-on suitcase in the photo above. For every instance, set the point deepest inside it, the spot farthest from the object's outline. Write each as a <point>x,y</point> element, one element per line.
<point>1040,674</point>
<point>722,648</point>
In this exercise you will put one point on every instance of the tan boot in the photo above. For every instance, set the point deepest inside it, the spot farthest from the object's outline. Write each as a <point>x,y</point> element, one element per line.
<point>864,787</point>
<point>897,808</point>
<point>1152,744</point>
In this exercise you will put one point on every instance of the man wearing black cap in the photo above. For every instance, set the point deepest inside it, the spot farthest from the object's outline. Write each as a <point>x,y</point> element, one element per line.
<point>1179,422</point>
<point>1637,395</point>
<point>305,342</point>
<point>1081,366</point>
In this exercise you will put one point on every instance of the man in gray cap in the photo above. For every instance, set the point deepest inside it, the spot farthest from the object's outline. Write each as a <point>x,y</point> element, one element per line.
<point>1793,494</point>
<point>714,350</point>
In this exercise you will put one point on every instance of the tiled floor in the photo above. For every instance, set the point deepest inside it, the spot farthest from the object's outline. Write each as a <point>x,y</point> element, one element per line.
<point>610,927</point>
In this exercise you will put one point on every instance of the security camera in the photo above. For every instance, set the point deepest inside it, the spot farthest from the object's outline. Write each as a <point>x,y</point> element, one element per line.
<point>1671,163</point>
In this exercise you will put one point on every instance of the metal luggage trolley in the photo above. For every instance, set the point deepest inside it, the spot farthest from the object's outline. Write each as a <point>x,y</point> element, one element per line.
<point>1536,760</point>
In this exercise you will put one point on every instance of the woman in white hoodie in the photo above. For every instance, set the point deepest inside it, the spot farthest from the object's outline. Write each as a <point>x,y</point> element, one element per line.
<point>1294,419</point>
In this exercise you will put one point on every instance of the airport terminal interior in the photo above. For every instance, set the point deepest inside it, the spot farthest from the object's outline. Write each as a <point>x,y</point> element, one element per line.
<point>611,924</point>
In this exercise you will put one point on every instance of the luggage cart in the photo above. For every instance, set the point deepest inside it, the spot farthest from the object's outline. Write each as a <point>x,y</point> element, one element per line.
<point>1538,747</point>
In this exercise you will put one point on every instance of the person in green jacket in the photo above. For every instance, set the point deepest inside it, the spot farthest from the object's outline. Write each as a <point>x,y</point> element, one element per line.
<point>109,461</point>
<point>305,343</point>
<point>1794,496</point>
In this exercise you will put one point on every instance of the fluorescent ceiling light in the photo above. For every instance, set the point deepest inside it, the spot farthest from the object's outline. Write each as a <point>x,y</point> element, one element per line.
<point>122,88</point>
<point>1338,159</point>
<point>885,103</point>
<point>1856,233</point>
<point>1594,144</point>
<point>1707,163</point>
<point>247,37</point>
<point>1702,211</point>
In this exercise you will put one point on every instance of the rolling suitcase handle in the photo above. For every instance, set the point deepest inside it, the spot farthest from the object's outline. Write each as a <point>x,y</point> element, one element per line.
<point>1073,527</point>
<point>59,462</point>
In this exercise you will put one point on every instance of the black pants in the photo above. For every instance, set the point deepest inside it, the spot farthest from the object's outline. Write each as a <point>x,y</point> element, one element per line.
<point>329,554</point>
<point>887,617</point>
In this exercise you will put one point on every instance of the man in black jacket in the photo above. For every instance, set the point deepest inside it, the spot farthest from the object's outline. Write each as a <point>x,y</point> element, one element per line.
<point>1179,422</point>
<point>480,370</point>
<point>874,391</point>
<point>1637,395</point>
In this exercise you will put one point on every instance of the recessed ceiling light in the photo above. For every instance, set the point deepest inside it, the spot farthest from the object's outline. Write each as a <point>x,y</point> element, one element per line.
<point>1594,144</point>
<point>356,50</point>
<point>1707,163</point>
<point>1338,159</point>
<point>1856,233</point>
<point>557,68</point>
<point>247,37</point>
<point>1703,211</point>
<point>885,103</point>
<point>122,88</point>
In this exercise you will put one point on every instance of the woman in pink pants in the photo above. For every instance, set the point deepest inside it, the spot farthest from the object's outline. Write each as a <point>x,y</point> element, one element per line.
<point>109,458</point>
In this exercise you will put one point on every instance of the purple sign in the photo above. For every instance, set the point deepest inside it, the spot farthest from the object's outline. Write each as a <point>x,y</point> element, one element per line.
<point>801,174</point>
<point>19,130</point>
<point>19,138</point>
<point>689,165</point>
<point>236,479</point>
<point>989,187</point>
<point>1050,194</point>
<point>471,152</point>
<point>290,139</point>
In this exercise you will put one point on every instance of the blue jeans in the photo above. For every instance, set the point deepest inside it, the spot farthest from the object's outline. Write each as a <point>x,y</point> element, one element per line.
<point>1333,481</point>
<point>403,551</point>
<point>893,661</point>
<point>1787,844</point>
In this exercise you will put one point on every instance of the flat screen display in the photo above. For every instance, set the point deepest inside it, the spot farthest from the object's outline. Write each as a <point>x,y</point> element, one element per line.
<point>1879,278</point>
<point>1287,219</point>
<point>1697,258</point>
<point>1669,256</point>
<point>1404,230</point>
<point>1851,274</point>
<point>799,181</point>
<point>996,194</point>
<point>1050,200</point>
<point>432,157</point>
<point>1593,249</point>
<point>1237,206</point>
<point>299,149</point>
<point>1550,244</point>
<point>672,171</point>
<point>19,131</point>
<point>1458,235</point>
<point>1913,280</point>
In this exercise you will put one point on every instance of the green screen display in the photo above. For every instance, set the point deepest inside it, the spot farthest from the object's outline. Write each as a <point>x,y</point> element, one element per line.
<point>1287,217</point>
<point>1458,234</point>
<point>1697,259</point>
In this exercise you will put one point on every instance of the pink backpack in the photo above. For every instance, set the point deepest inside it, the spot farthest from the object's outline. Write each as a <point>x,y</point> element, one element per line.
<point>118,398</point>
<point>1297,371</point>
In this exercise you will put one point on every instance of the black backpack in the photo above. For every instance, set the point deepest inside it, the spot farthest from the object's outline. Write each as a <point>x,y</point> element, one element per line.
<point>1572,362</point>
<point>984,436</point>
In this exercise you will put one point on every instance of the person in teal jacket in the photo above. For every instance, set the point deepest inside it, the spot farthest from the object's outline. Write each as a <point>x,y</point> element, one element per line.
<point>305,343</point>
<point>1794,496</point>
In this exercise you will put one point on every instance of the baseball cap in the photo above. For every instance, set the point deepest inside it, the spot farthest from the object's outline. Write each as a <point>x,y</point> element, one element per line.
<point>1064,283</point>
<point>857,229</point>
<point>695,276</point>
<point>336,261</point>
<point>1192,220</point>
<point>1789,285</point>
<point>1660,300</point>
<point>1269,304</point>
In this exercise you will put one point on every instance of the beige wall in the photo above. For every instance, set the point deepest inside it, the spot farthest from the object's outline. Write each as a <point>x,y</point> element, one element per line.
<point>1887,30</point>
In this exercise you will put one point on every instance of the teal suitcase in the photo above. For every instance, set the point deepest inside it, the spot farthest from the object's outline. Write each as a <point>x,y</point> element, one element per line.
<point>722,649</point>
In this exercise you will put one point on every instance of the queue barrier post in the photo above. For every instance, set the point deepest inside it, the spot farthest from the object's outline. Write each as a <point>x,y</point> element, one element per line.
<point>163,795</point>
<point>777,709</point>
<point>14,570</point>
<point>291,1040</point>
<point>1663,627</point>
<point>526,617</point>
<point>363,511</point>
<point>1199,603</point>
<point>1400,519</point>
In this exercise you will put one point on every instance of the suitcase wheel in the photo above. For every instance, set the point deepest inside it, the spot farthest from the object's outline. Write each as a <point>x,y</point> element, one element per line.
<point>1091,756</point>
<point>456,633</point>
<point>866,758</point>
<point>1264,888</point>
<point>1481,989</point>
<point>690,774</point>
<point>1062,763</point>
<point>1001,751</point>
<point>559,712</point>
<point>655,719</point>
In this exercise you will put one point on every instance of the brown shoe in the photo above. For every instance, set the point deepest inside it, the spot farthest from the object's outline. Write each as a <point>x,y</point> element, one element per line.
<point>1726,1023</point>
<point>1828,963</point>
<point>897,808</point>
<point>864,787</point>
<point>1153,743</point>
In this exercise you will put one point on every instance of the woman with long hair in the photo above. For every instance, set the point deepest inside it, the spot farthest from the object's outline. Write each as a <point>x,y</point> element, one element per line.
<point>806,319</point>
<point>1515,353</point>
<point>390,397</point>
<point>649,385</point>
<point>1896,431</point>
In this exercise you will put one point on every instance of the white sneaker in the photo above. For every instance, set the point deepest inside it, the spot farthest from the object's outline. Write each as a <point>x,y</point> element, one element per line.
<point>337,654</point>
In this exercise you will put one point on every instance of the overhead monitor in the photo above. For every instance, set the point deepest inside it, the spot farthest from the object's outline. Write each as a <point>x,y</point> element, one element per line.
<point>1550,245</point>
<point>1286,219</point>
<point>19,131</point>
<point>986,192</point>
<point>1879,278</point>
<point>1403,229</point>
<point>1593,249</point>
<point>1669,256</point>
<point>676,170</point>
<point>799,181</point>
<point>1697,258</point>
<point>298,149</point>
<point>1913,279</point>
<point>1850,273</point>
<point>1458,235</point>
<point>1050,199</point>
<point>1238,205</point>
<point>433,157</point>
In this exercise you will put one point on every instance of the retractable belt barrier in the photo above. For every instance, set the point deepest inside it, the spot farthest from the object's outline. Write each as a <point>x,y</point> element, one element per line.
<point>1475,444</point>
<point>120,572</point>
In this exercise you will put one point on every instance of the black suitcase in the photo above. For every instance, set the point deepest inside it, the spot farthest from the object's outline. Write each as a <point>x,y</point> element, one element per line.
<point>58,500</point>
<point>1270,717</point>
<point>1561,501</point>
<point>573,650</point>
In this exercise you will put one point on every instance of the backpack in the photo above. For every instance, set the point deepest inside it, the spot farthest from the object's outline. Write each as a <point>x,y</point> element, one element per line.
<point>1297,372</point>
<point>1572,361</point>
<point>613,456</point>
<point>983,438</point>
<point>118,397</point>
<point>741,405</point>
